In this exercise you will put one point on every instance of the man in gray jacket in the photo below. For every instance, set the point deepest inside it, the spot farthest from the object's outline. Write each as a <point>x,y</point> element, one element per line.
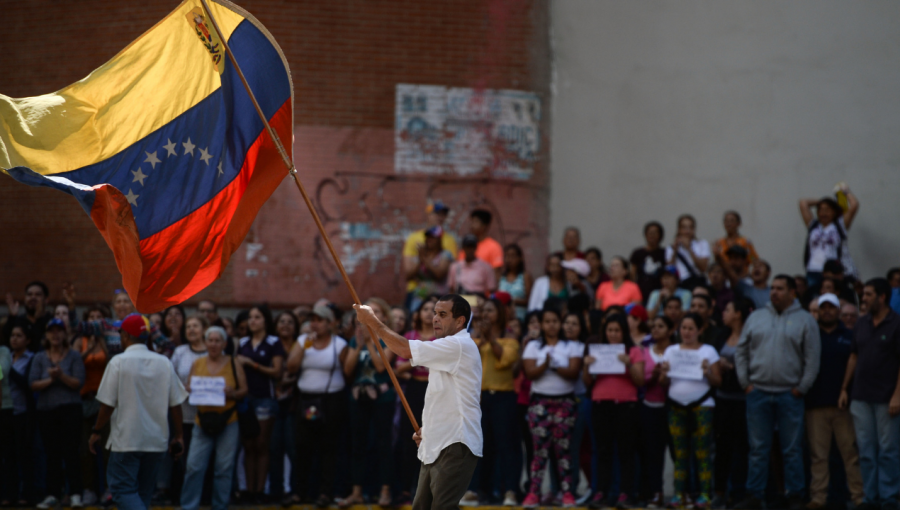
<point>777,361</point>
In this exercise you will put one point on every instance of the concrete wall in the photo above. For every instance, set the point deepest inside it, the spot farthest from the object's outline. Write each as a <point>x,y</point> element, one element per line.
<point>346,58</point>
<point>661,108</point>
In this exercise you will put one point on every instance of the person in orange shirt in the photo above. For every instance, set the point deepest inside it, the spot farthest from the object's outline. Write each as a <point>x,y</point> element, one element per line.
<point>488,250</point>
<point>619,290</point>
<point>732,223</point>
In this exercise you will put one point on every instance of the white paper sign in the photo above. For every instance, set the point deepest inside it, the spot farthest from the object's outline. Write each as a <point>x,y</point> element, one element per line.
<point>606,359</point>
<point>685,364</point>
<point>207,391</point>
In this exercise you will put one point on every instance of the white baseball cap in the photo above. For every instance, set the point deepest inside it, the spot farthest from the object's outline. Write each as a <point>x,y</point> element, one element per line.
<point>829,298</point>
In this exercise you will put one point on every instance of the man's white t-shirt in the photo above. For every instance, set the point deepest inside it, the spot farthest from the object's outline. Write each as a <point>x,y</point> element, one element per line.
<point>551,383</point>
<point>452,412</point>
<point>700,247</point>
<point>141,385</point>
<point>685,391</point>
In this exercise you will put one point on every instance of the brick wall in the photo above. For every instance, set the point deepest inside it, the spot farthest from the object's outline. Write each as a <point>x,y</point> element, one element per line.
<point>346,58</point>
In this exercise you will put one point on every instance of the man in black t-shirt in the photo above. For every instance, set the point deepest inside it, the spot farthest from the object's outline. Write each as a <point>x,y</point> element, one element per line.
<point>874,366</point>
<point>823,417</point>
<point>35,318</point>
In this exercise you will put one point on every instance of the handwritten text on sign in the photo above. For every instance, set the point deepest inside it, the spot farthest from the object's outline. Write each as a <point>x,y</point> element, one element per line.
<point>606,359</point>
<point>207,391</point>
<point>685,364</point>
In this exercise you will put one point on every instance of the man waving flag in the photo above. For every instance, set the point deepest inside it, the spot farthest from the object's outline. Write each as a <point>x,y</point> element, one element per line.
<point>163,147</point>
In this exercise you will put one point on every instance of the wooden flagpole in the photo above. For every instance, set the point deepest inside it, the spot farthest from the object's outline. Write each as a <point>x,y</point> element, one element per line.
<point>312,210</point>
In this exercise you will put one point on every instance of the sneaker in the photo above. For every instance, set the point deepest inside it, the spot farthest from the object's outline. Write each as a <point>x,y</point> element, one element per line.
<point>75,501</point>
<point>568,500</point>
<point>48,502</point>
<point>551,499</point>
<point>657,501</point>
<point>509,499</point>
<point>702,502</point>
<point>470,498</point>
<point>597,501</point>
<point>624,502</point>
<point>749,503</point>
<point>675,502</point>
<point>531,500</point>
<point>584,498</point>
<point>89,498</point>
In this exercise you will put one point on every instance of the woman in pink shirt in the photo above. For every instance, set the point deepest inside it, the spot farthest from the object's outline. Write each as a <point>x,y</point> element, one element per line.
<point>615,416</point>
<point>619,290</point>
<point>654,415</point>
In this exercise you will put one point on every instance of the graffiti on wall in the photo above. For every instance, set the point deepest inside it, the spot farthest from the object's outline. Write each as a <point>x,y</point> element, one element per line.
<point>368,209</point>
<point>464,131</point>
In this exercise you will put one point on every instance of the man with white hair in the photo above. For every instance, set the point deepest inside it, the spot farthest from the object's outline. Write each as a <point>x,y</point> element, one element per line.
<point>138,390</point>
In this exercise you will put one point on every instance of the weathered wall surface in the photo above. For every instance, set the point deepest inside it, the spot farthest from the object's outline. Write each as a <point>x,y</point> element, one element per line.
<point>347,59</point>
<point>694,106</point>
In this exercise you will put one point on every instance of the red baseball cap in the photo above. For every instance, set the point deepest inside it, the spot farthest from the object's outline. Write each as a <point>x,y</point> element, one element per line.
<point>135,325</point>
<point>637,311</point>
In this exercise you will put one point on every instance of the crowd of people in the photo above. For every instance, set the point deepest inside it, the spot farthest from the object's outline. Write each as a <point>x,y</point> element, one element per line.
<point>591,373</point>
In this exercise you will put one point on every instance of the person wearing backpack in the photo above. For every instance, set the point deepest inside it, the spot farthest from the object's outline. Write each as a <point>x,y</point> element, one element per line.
<point>216,426</point>
<point>826,236</point>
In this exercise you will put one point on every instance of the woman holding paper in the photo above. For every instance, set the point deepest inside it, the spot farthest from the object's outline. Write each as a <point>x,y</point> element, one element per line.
<point>613,371</point>
<point>553,365</point>
<point>691,370</point>
<point>216,426</point>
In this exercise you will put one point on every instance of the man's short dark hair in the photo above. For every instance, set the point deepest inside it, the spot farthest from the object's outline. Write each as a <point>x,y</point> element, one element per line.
<point>768,266</point>
<point>461,307</point>
<point>706,299</point>
<point>483,216</point>
<point>892,271</point>
<point>214,307</point>
<point>789,281</point>
<point>674,298</point>
<point>881,287</point>
<point>833,266</point>
<point>40,284</point>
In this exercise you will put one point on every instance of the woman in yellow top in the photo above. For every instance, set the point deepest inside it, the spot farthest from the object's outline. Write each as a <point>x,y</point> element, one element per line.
<point>498,407</point>
<point>217,426</point>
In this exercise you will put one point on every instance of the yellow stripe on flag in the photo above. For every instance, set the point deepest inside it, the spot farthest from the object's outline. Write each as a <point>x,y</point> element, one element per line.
<point>156,78</point>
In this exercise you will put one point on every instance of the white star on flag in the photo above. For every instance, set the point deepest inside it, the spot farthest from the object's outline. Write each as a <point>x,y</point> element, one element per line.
<point>188,147</point>
<point>132,198</point>
<point>152,159</point>
<point>220,168</point>
<point>170,148</point>
<point>205,156</point>
<point>139,176</point>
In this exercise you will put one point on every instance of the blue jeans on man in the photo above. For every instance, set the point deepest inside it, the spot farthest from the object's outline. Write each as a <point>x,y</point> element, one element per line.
<point>132,478</point>
<point>765,410</point>
<point>202,446</point>
<point>878,440</point>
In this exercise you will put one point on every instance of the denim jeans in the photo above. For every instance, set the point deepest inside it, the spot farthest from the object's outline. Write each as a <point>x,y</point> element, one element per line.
<point>878,439</point>
<point>282,444</point>
<point>202,446</point>
<point>765,410</point>
<point>132,478</point>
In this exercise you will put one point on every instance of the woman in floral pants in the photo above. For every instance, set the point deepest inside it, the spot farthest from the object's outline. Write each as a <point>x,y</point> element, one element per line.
<point>552,365</point>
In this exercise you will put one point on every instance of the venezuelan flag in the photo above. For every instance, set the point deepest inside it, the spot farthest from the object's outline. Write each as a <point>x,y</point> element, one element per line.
<point>163,147</point>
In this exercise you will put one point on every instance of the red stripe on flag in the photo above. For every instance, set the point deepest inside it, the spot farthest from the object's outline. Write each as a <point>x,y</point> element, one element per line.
<point>187,256</point>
